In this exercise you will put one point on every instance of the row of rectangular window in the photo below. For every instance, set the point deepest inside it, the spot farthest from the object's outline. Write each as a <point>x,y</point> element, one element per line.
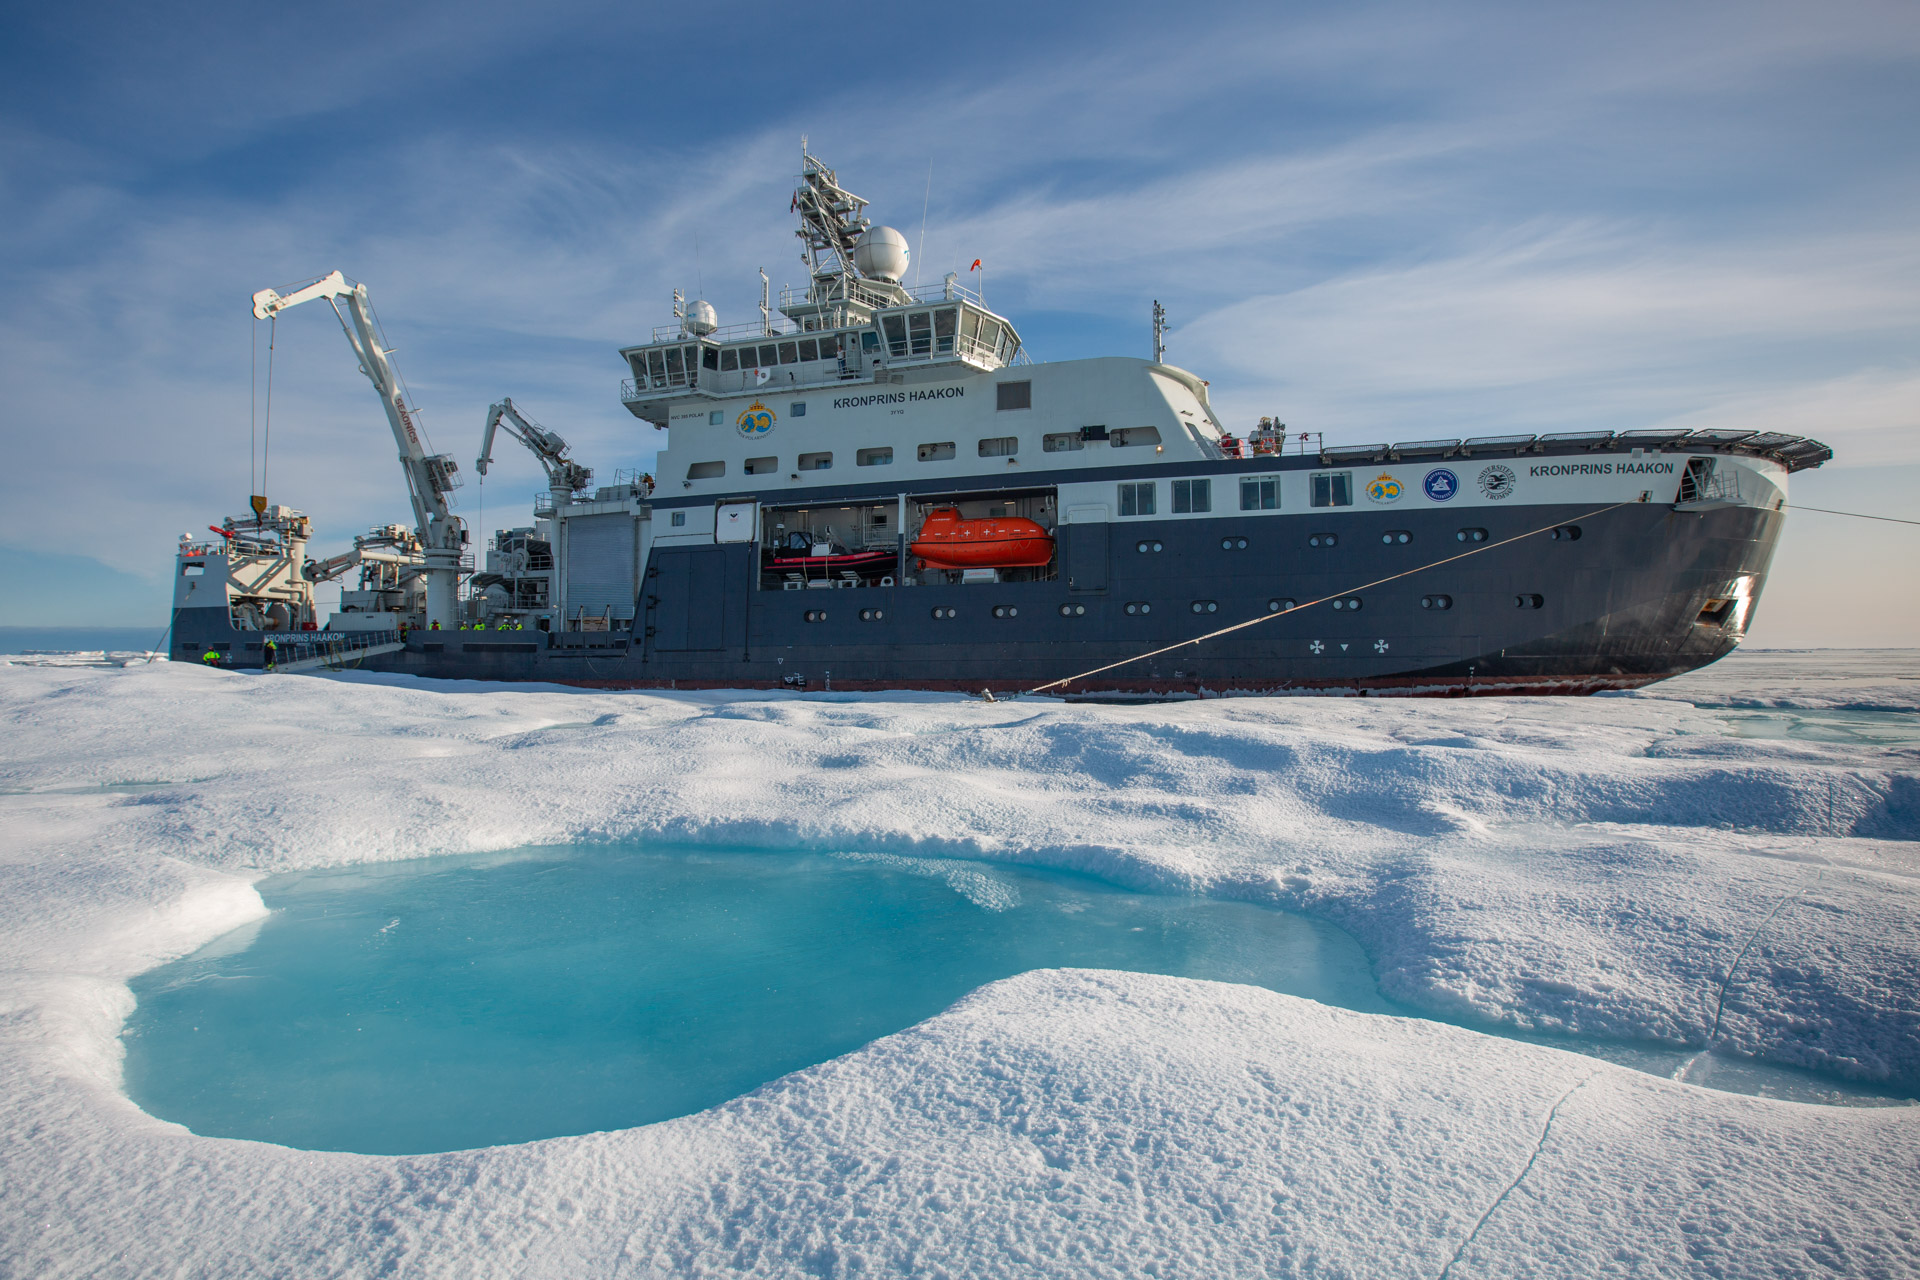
<point>769,354</point>
<point>1141,497</point>
<point>881,456</point>
<point>917,334</point>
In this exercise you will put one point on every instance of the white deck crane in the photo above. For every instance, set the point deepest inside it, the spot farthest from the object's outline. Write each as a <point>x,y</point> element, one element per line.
<point>430,477</point>
<point>565,477</point>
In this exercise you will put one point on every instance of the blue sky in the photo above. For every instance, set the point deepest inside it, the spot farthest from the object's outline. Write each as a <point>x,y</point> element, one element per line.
<point>1379,221</point>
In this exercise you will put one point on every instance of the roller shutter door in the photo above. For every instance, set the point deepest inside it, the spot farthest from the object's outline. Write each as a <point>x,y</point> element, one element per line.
<point>601,551</point>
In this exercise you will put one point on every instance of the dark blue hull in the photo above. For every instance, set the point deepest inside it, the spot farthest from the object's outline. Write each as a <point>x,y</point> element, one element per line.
<point>1640,596</point>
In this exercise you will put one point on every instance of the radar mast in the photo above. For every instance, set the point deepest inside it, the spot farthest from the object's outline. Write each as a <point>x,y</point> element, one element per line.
<point>831,221</point>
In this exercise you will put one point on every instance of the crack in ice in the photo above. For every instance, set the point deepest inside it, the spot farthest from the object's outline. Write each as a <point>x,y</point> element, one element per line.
<point>1546,1131</point>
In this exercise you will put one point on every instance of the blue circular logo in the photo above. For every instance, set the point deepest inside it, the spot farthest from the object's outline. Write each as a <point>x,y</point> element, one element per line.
<point>1441,484</point>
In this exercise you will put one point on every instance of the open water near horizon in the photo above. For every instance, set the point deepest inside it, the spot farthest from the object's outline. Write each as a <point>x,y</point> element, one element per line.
<point>453,1002</point>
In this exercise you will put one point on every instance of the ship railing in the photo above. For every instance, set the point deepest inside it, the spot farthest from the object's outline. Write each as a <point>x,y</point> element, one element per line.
<point>1274,444</point>
<point>669,334</point>
<point>868,296</point>
<point>327,646</point>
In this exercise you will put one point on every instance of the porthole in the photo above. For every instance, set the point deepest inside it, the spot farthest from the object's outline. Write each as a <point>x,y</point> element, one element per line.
<point>1280,605</point>
<point>1567,533</point>
<point>1006,611</point>
<point>946,613</point>
<point>1347,603</point>
<point>873,615</point>
<point>1072,610</point>
<point>1149,545</point>
<point>816,615</point>
<point>1530,601</point>
<point>1139,606</point>
<point>1206,606</point>
<point>1323,540</point>
<point>1400,536</point>
<point>1233,544</point>
<point>1436,602</point>
<point>1471,535</point>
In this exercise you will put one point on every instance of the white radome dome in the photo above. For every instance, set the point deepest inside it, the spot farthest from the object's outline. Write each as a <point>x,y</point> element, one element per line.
<point>881,254</point>
<point>701,319</point>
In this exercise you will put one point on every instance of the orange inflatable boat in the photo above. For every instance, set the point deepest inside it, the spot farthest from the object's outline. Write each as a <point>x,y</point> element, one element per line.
<point>947,541</point>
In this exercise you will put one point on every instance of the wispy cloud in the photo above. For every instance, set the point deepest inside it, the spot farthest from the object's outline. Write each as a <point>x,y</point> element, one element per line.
<point>1379,221</point>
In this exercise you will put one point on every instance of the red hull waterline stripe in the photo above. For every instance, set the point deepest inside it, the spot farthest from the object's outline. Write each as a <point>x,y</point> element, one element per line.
<point>1368,687</point>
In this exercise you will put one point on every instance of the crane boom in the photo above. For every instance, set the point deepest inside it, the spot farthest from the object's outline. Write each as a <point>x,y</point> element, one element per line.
<point>430,477</point>
<point>565,477</point>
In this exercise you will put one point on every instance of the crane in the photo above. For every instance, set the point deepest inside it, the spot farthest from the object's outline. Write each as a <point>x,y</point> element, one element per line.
<point>565,477</point>
<point>430,477</point>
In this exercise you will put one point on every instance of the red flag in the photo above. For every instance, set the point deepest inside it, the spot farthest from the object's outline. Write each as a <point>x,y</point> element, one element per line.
<point>975,266</point>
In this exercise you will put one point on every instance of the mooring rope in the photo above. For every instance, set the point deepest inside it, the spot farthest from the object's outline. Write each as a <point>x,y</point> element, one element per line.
<point>1857,515</point>
<point>1269,617</point>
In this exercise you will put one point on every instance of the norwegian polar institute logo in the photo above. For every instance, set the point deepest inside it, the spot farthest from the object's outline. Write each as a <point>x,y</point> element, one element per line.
<point>1497,482</point>
<point>755,420</point>
<point>1441,484</point>
<point>1385,489</point>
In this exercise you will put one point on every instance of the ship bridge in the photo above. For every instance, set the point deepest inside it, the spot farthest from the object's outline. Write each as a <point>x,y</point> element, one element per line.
<point>837,334</point>
<point>854,322</point>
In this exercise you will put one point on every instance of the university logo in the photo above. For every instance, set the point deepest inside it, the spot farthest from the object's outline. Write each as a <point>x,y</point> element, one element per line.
<point>755,420</point>
<point>1498,482</point>
<point>1384,489</point>
<point>1441,484</point>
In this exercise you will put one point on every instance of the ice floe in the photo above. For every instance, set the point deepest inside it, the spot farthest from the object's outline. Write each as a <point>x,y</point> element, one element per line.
<point>1627,869</point>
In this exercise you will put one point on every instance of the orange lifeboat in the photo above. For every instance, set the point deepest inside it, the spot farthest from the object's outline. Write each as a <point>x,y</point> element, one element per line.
<point>947,541</point>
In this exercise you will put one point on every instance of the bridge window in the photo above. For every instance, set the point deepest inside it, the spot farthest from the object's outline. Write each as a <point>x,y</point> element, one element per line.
<point>1333,489</point>
<point>920,332</point>
<point>789,352</point>
<point>768,358</point>
<point>943,331</point>
<point>809,349</point>
<point>1192,495</point>
<point>710,357</point>
<point>999,446</point>
<point>830,347</point>
<point>1013,395</point>
<point>729,360</point>
<point>1137,499</point>
<point>896,330</point>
